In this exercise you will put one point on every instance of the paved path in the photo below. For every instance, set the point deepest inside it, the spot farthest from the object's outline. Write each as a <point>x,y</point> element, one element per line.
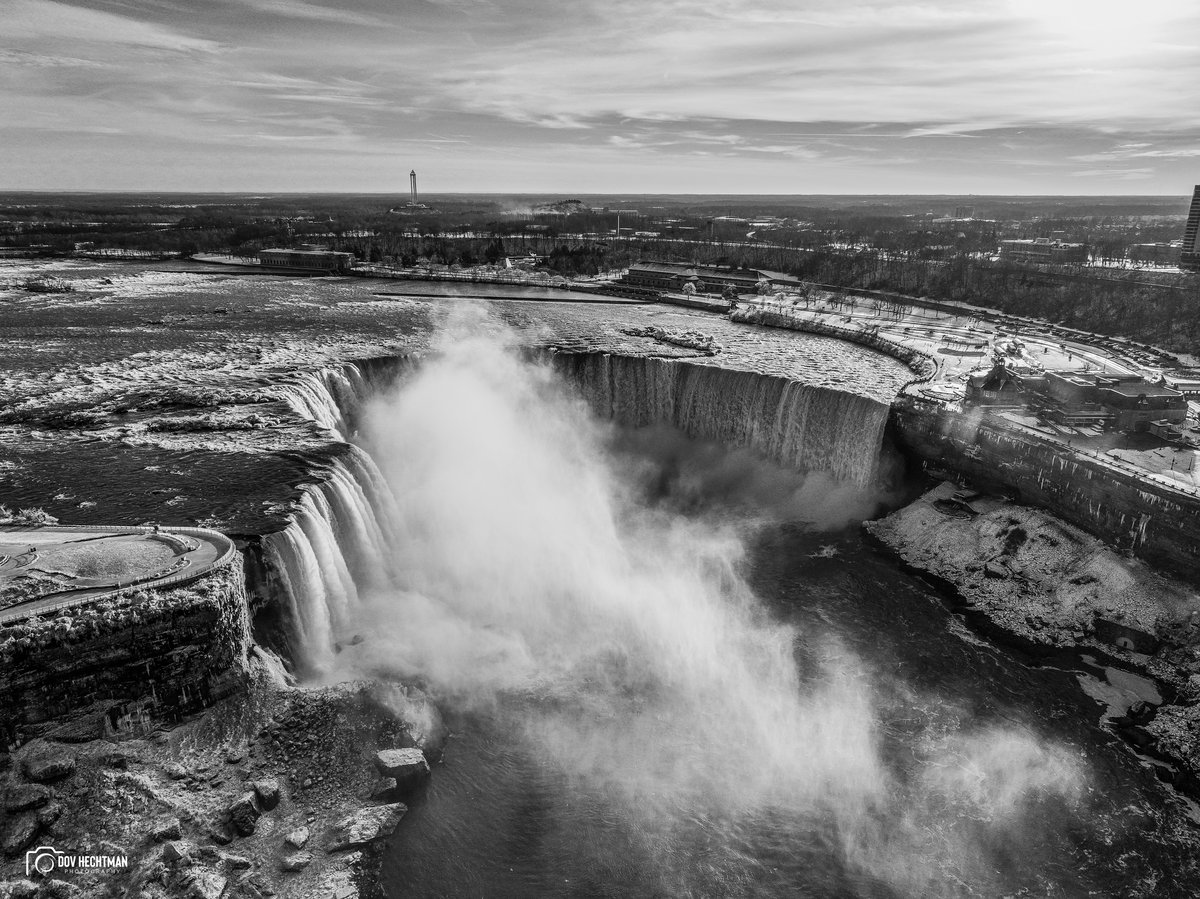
<point>172,556</point>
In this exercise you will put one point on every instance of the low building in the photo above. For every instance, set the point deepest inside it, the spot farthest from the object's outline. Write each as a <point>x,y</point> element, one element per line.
<point>1070,389</point>
<point>307,259</point>
<point>1187,383</point>
<point>1165,430</point>
<point>997,387</point>
<point>706,278</point>
<point>1134,405</point>
<point>1123,402</point>
<point>1155,253</point>
<point>1043,250</point>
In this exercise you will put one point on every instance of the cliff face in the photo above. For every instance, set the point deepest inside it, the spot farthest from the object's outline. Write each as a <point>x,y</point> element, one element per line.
<point>812,428</point>
<point>1156,523</point>
<point>117,667</point>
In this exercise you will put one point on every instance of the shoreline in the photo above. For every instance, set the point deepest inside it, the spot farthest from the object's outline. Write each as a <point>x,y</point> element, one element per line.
<point>1139,623</point>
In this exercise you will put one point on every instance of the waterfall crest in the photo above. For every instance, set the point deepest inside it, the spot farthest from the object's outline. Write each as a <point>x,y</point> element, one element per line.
<point>340,544</point>
<point>327,396</point>
<point>335,550</point>
<point>795,424</point>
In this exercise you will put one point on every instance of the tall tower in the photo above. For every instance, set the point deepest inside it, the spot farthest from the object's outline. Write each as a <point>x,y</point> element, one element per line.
<point>412,183</point>
<point>1189,258</point>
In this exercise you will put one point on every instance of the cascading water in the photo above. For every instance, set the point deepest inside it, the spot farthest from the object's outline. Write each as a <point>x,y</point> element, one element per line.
<point>798,425</point>
<point>618,689</point>
<point>336,546</point>
<point>524,580</point>
<point>805,427</point>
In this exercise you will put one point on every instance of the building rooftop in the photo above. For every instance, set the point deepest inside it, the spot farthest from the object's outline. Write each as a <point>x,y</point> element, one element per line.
<point>1136,389</point>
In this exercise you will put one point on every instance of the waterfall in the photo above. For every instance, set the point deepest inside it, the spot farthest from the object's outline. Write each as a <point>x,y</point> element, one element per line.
<point>336,547</point>
<point>339,545</point>
<point>328,396</point>
<point>334,551</point>
<point>795,424</point>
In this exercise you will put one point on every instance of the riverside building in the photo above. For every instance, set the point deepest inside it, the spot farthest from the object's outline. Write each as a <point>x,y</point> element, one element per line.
<point>1043,250</point>
<point>308,259</point>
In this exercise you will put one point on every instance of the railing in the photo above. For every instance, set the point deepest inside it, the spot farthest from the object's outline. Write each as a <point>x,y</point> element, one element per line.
<point>15,613</point>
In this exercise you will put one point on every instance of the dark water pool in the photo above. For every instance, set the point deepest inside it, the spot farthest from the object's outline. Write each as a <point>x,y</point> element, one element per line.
<point>500,819</point>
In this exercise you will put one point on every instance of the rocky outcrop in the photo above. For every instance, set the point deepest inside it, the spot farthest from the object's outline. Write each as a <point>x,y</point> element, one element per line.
<point>121,666</point>
<point>407,768</point>
<point>1049,587</point>
<point>218,805</point>
<point>1123,506</point>
<point>365,826</point>
<point>244,814</point>
<point>44,763</point>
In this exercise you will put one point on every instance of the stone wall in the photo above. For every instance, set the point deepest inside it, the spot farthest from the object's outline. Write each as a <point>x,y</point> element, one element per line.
<point>1152,520</point>
<point>922,365</point>
<point>124,664</point>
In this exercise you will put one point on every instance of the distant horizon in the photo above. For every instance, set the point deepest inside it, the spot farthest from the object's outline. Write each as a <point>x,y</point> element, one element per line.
<point>696,97</point>
<point>1183,198</point>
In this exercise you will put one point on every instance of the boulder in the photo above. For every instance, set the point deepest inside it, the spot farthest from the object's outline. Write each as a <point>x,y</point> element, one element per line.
<point>408,766</point>
<point>45,763</point>
<point>48,814</point>
<point>18,833</point>
<point>175,771</point>
<point>176,851</point>
<point>21,797</point>
<point>244,814</point>
<point>253,885</point>
<point>267,791</point>
<point>995,570</point>
<point>297,861</point>
<point>236,862</point>
<point>166,829</point>
<point>366,825</point>
<point>204,883</point>
<point>115,758</point>
<point>297,838</point>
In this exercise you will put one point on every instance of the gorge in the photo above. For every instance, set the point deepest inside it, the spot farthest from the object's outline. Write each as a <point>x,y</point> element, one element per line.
<point>632,579</point>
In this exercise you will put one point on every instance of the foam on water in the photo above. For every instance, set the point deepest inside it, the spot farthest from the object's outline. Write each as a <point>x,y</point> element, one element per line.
<point>501,555</point>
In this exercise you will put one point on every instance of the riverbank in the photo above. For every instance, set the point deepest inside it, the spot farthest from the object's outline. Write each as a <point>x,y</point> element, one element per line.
<point>923,366</point>
<point>274,792</point>
<point>1056,591</point>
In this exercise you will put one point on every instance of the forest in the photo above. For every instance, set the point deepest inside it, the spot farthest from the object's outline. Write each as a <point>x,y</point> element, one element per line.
<point>919,246</point>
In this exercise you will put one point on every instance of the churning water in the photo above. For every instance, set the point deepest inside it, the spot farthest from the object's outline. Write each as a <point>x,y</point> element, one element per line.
<point>671,670</point>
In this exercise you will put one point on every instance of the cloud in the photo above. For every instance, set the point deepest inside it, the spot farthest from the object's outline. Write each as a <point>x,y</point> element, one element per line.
<point>297,9</point>
<point>944,89</point>
<point>60,23</point>
<point>1121,174</point>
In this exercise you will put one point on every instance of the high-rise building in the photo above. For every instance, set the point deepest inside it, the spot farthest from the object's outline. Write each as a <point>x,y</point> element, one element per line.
<point>412,183</point>
<point>1189,258</point>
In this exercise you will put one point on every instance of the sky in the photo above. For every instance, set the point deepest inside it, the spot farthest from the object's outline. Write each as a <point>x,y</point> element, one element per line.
<point>602,96</point>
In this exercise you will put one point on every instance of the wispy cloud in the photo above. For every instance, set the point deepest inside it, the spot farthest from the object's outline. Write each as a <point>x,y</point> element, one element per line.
<point>824,95</point>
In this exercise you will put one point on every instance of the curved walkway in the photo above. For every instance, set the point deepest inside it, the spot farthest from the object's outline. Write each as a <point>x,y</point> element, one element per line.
<point>183,554</point>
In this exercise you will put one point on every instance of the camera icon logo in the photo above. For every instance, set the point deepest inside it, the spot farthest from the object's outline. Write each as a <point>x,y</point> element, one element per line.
<point>43,860</point>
